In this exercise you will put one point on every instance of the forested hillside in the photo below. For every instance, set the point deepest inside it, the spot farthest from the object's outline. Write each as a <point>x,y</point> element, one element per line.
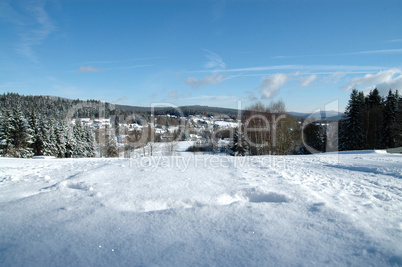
<point>52,126</point>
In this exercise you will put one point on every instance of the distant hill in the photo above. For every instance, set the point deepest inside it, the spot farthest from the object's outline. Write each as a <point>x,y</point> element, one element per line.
<point>186,111</point>
<point>181,111</point>
<point>331,115</point>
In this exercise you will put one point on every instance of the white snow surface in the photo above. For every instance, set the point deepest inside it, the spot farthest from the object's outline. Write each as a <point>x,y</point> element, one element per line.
<point>193,209</point>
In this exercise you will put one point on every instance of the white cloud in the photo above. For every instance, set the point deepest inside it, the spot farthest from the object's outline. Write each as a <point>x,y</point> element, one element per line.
<point>211,79</point>
<point>88,69</point>
<point>383,80</point>
<point>215,61</point>
<point>306,81</point>
<point>270,85</point>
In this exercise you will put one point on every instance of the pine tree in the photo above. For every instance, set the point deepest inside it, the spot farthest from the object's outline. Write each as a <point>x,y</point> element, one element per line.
<point>20,136</point>
<point>239,146</point>
<point>37,142</point>
<point>5,132</point>
<point>111,146</point>
<point>389,118</point>
<point>89,141</point>
<point>44,147</point>
<point>79,149</point>
<point>60,141</point>
<point>50,146</point>
<point>315,137</point>
<point>70,142</point>
<point>352,134</point>
<point>372,119</point>
<point>397,127</point>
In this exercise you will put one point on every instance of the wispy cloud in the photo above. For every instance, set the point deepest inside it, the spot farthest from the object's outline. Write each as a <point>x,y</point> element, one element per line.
<point>306,81</point>
<point>383,80</point>
<point>88,69</point>
<point>34,27</point>
<point>214,61</point>
<point>197,83</point>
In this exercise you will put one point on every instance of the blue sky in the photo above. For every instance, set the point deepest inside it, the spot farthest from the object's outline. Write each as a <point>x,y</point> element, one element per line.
<point>216,53</point>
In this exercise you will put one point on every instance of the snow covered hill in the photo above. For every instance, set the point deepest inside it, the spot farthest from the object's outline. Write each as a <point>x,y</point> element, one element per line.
<point>189,209</point>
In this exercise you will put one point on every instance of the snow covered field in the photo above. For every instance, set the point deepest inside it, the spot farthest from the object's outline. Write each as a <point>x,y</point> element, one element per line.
<point>192,209</point>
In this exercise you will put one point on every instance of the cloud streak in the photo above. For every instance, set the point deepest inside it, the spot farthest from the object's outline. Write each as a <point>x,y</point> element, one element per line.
<point>326,68</point>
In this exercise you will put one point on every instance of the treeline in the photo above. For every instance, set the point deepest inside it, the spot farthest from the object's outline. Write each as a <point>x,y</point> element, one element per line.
<point>42,125</point>
<point>34,135</point>
<point>371,122</point>
<point>50,126</point>
<point>48,107</point>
